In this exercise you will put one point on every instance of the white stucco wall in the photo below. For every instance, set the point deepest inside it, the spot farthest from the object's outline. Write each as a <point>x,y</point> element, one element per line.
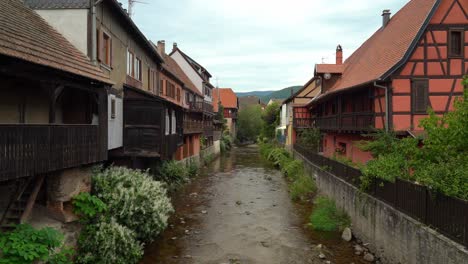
<point>115,126</point>
<point>71,23</point>
<point>188,70</point>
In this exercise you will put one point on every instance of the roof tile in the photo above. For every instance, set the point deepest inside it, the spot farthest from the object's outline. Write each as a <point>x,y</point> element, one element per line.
<point>25,35</point>
<point>227,97</point>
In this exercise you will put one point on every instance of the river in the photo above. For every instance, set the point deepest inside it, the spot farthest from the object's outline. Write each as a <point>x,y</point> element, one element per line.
<point>238,211</point>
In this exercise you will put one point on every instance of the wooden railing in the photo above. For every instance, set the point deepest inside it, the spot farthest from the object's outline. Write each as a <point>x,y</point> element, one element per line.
<point>208,131</point>
<point>193,127</point>
<point>196,106</point>
<point>361,121</point>
<point>303,122</point>
<point>446,214</point>
<point>207,107</point>
<point>26,150</point>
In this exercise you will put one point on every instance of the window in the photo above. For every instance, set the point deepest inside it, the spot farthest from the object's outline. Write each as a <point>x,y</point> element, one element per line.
<point>419,96</point>
<point>341,148</point>
<point>104,48</point>
<point>187,97</point>
<point>456,42</point>
<point>129,63</point>
<point>107,49</point>
<point>133,66</point>
<point>137,71</point>
<point>112,111</point>
<point>168,123</point>
<point>161,87</point>
<point>153,81</point>
<point>178,94</point>
<point>174,122</point>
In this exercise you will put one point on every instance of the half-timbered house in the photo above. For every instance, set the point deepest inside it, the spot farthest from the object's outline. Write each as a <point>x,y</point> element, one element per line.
<point>294,115</point>
<point>200,77</point>
<point>53,116</point>
<point>413,62</point>
<point>228,99</point>
<point>178,88</point>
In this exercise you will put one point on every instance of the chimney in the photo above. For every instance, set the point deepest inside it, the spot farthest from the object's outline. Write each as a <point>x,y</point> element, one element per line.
<point>385,17</point>
<point>162,47</point>
<point>339,55</point>
<point>174,46</point>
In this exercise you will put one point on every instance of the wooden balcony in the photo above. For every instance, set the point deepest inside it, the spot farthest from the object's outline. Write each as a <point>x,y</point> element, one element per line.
<point>303,123</point>
<point>196,106</point>
<point>27,150</point>
<point>207,107</point>
<point>208,131</point>
<point>352,122</point>
<point>193,127</point>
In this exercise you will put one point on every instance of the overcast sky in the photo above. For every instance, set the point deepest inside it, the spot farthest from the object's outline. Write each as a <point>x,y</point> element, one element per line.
<point>261,44</point>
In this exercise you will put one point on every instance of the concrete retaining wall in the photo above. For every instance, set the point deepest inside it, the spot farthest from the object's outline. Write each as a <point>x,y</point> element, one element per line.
<point>393,236</point>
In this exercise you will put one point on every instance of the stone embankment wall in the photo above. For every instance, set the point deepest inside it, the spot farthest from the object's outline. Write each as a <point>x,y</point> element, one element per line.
<point>392,235</point>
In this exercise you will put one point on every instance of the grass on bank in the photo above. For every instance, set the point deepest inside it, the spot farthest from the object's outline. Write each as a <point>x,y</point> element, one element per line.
<point>301,185</point>
<point>327,217</point>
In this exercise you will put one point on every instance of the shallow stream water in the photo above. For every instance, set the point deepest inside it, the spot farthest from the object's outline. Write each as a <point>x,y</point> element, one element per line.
<point>238,211</point>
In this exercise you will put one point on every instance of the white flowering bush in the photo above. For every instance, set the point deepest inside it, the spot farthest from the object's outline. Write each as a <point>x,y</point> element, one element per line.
<point>108,242</point>
<point>135,200</point>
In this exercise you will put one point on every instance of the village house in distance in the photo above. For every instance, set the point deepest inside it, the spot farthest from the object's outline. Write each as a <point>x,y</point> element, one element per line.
<point>228,99</point>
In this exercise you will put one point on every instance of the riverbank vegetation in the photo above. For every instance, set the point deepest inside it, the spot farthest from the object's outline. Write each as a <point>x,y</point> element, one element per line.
<point>301,186</point>
<point>27,245</point>
<point>126,209</point>
<point>437,159</point>
<point>327,217</point>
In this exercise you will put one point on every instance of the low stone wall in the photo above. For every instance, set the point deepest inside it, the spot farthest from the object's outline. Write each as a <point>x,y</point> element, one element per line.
<point>392,235</point>
<point>214,150</point>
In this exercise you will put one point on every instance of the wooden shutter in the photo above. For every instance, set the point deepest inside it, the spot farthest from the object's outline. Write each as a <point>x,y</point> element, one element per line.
<point>420,96</point>
<point>100,46</point>
<point>110,51</point>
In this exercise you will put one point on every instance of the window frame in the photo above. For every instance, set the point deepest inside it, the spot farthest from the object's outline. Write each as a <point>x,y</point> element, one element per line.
<point>130,63</point>
<point>113,107</point>
<point>450,42</point>
<point>414,100</point>
<point>107,46</point>
<point>137,68</point>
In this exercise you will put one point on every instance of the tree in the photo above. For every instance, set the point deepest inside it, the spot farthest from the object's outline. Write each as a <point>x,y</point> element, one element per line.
<point>270,120</point>
<point>249,123</point>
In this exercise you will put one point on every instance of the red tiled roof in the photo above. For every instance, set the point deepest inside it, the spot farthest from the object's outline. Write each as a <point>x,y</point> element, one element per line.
<point>171,65</point>
<point>25,35</point>
<point>387,48</point>
<point>329,68</point>
<point>227,97</point>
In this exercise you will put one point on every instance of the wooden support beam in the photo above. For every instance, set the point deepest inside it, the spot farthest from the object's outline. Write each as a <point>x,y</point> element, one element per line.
<point>32,198</point>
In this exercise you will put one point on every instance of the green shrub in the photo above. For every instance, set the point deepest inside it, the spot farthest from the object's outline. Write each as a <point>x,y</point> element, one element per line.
<point>172,173</point>
<point>135,200</point>
<point>326,217</point>
<point>293,169</point>
<point>192,169</point>
<point>109,243</point>
<point>302,187</point>
<point>310,139</point>
<point>226,142</point>
<point>87,205</point>
<point>26,245</point>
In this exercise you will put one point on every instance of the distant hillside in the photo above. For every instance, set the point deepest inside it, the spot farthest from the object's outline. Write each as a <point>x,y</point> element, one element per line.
<point>281,94</point>
<point>255,93</point>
